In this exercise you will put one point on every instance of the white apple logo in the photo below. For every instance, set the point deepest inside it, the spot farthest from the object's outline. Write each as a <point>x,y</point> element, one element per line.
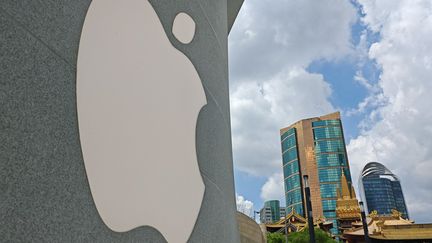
<point>138,101</point>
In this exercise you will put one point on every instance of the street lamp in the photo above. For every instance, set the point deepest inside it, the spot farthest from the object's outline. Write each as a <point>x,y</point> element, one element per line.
<point>286,229</point>
<point>365,227</point>
<point>309,209</point>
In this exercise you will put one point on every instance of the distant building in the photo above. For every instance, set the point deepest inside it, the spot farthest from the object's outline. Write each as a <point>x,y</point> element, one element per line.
<point>271,212</point>
<point>381,190</point>
<point>282,212</point>
<point>315,147</point>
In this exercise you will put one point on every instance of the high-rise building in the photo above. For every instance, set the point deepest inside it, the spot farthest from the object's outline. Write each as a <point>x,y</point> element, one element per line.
<point>271,212</point>
<point>315,147</point>
<point>381,190</point>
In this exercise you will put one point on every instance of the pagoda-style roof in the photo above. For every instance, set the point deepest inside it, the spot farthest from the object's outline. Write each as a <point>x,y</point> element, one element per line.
<point>347,206</point>
<point>296,223</point>
<point>390,227</point>
<point>405,232</point>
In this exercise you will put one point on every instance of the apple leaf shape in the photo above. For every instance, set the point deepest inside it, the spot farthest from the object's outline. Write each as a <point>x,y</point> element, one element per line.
<point>183,28</point>
<point>138,101</point>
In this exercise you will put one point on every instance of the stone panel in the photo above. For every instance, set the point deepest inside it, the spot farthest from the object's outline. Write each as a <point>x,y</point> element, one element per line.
<point>44,193</point>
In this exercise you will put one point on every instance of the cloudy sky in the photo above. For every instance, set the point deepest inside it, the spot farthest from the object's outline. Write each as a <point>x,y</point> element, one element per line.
<point>369,59</point>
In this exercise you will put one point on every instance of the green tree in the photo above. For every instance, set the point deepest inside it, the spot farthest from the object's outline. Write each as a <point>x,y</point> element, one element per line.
<point>303,237</point>
<point>275,238</point>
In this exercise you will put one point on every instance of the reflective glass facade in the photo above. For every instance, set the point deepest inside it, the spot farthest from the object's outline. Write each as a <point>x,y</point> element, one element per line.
<point>274,207</point>
<point>291,170</point>
<point>271,212</point>
<point>316,147</point>
<point>330,155</point>
<point>382,190</point>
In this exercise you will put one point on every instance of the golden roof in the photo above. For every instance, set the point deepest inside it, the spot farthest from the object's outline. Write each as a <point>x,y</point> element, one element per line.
<point>391,227</point>
<point>405,232</point>
<point>347,206</point>
<point>296,221</point>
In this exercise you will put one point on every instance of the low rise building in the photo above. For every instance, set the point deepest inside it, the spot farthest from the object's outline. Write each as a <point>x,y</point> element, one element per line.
<point>294,222</point>
<point>389,228</point>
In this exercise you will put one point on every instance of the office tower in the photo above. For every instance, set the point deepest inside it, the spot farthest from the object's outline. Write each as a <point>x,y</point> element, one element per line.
<point>271,212</point>
<point>315,147</point>
<point>381,190</point>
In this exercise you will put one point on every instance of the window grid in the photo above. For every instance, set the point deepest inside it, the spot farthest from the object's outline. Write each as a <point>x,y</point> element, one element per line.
<point>327,132</point>
<point>288,133</point>
<point>289,143</point>
<point>291,168</point>
<point>329,204</point>
<point>329,190</point>
<point>292,182</point>
<point>326,123</point>
<point>289,155</point>
<point>329,146</point>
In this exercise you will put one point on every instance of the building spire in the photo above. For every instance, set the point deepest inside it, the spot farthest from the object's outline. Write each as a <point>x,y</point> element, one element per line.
<point>347,206</point>
<point>353,194</point>
<point>346,192</point>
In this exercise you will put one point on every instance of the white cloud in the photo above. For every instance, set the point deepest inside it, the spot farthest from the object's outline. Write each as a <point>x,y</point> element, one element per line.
<point>398,132</point>
<point>270,35</point>
<point>273,189</point>
<point>271,44</point>
<point>244,206</point>
<point>259,110</point>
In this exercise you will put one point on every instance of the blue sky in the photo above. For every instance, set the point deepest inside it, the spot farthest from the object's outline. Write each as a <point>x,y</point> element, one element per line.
<point>370,60</point>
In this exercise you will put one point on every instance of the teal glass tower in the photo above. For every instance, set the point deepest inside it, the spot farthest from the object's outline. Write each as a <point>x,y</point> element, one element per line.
<point>271,212</point>
<point>291,169</point>
<point>315,147</point>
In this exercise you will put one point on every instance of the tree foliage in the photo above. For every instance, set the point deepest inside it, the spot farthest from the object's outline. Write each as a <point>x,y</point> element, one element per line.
<point>275,238</point>
<point>300,237</point>
<point>303,237</point>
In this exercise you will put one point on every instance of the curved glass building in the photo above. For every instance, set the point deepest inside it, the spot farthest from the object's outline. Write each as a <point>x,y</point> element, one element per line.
<point>381,190</point>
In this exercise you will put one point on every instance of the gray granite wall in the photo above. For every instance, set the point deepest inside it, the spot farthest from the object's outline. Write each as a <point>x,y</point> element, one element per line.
<point>44,192</point>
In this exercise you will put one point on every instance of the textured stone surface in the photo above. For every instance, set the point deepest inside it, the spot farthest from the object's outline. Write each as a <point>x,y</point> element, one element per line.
<point>44,193</point>
<point>250,231</point>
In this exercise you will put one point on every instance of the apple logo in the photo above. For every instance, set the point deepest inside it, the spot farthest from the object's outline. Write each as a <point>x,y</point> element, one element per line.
<point>138,100</point>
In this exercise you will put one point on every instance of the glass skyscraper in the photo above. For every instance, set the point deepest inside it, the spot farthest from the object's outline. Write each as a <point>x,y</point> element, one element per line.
<point>315,147</point>
<point>381,190</point>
